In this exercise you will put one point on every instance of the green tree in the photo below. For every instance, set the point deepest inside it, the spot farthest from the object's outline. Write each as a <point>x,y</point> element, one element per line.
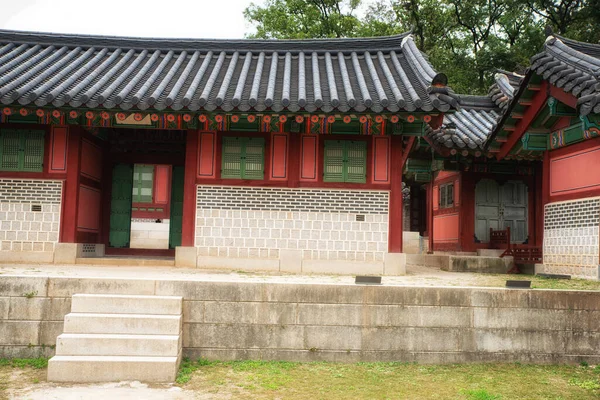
<point>467,39</point>
<point>300,19</point>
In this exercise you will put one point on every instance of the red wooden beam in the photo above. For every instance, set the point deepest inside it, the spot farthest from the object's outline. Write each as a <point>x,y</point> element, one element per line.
<point>407,150</point>
<point>562,96</point>
<point>538,101</point>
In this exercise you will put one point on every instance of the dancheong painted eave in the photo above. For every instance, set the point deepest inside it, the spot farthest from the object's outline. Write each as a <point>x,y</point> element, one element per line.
<point>574,67</point>
<point>387,74</point>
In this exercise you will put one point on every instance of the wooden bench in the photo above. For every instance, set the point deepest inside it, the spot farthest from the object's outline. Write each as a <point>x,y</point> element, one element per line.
<point>521,253</point>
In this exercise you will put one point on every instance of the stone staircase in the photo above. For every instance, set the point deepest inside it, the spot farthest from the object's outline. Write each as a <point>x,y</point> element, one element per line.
<point>119,338</point>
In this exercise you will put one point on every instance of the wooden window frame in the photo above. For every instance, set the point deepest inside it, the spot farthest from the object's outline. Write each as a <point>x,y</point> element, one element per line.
<point>446,196</point>
<point>345,161</point>
<point>22,156</point>
<point>243,172</point>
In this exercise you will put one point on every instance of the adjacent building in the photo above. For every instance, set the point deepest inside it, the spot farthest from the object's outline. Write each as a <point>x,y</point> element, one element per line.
<point>290,154</point>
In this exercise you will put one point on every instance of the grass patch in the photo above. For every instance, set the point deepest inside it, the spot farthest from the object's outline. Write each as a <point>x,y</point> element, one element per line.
<point>538,282</point>
<point>332,381</point>
<point>36,363</point>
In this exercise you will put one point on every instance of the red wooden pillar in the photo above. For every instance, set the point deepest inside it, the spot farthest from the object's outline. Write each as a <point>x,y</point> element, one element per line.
<point>188,227</point>
<point>71,187</point>
<point>430,216</point>
<point>395,221</point>
<point>294,150</point>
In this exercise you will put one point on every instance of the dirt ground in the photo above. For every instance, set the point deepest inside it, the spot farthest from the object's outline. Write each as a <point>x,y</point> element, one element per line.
<point>416,275</point>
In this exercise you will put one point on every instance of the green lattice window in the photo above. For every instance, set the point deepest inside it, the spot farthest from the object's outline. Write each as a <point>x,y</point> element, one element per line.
<point>21,150</point>
<point>243,158</point>
<point>143,183</point>
<point>345,161</point>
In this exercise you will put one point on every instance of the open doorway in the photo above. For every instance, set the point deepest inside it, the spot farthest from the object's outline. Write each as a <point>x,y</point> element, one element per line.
<point>146,204</point>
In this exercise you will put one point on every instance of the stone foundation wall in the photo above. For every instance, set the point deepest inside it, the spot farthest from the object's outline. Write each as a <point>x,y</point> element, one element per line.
<point>29,218</point>
<point>325,224</point>
<point>148,234</point>
<point>571,238</point>
<point>345,323</point>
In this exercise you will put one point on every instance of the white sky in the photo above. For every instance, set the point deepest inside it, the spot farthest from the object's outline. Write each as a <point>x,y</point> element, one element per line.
<point>149,18</point>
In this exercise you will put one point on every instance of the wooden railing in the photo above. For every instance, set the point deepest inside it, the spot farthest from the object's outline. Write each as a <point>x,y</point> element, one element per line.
<point>521,253</point>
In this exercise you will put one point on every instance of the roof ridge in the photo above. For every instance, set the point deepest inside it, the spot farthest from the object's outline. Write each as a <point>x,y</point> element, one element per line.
<point>228,45</point>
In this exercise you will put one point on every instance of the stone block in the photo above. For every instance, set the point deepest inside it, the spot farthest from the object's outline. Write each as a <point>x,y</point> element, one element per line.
<point>342,267</point>
<point>217,291</point>
<point>238,336</point>
<point>290,261</point>
<point>491,265</point>
<point>19,332</point>
<point>112,368</point>
<point>38,257</point>
<point>65,253</point>
<point>186,257</point>
<point>249,312</point>
<point>4,307</point>
<point>490,252</point>
<point>333,338</point>
<point>134,324</point>
<point>126,304</point>
<point>394,264</point>
<point>28,309</point>
<point>67,287</point>
<point>49,331</point>
<point>76,344</point>
<point>244,264</point>
<point>429,260</point>
<point>193,311</point>
<point>18,286</point>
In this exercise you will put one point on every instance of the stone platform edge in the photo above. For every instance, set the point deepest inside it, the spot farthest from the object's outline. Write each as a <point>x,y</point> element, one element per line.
<point>328,322</point>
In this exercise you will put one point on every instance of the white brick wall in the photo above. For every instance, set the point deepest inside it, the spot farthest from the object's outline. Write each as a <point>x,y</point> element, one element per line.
<point>324,224</point>
<point>29,214</point>
<point>571,237</point>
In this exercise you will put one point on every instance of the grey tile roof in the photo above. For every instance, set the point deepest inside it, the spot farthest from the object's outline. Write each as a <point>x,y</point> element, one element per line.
<point>471,126</point>
<point>468,128</point>
<point>573,66</point>
<point>387,74</point>
<point>504,88</point>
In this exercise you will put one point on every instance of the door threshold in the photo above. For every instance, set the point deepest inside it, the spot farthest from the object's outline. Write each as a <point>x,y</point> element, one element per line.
<point>113,251</point>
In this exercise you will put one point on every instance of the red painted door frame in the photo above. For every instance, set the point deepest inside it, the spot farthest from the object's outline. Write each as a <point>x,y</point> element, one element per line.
<point>395,208</point>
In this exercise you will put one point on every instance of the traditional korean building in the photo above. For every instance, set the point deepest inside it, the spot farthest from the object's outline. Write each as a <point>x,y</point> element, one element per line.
<point>223,153</point>
<point>527,157</point>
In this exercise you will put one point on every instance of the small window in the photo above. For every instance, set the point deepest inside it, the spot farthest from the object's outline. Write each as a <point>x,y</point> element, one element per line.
<point>345,161</point>
<point>143,183</point>
<point>447,195</point>
<point>21,150</point>
<point>243,158</point>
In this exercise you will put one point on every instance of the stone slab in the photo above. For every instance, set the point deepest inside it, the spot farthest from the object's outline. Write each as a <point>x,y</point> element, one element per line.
<point>342,267</point>
<point>77,344</point>
<point>186,257</point>
<point>244,264</point>
<point>112,368</point>
<point>126,304</point>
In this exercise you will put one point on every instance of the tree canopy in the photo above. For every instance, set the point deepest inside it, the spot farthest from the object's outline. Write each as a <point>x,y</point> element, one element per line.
<point>467,39</point>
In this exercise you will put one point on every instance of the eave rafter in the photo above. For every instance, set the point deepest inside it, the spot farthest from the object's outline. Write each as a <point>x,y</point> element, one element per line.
<point>538,101</point>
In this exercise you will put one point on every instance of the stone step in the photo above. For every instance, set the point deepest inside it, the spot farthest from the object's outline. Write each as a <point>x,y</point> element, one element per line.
<point>112,368</point>
<point>126,304</point>
<point>132,324</point>
<point>91,344</point>
<point>127,261</point>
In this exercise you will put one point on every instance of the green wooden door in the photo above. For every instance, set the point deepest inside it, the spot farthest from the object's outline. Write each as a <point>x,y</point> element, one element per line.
<point>176,218</point>
<point>120,206</point>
